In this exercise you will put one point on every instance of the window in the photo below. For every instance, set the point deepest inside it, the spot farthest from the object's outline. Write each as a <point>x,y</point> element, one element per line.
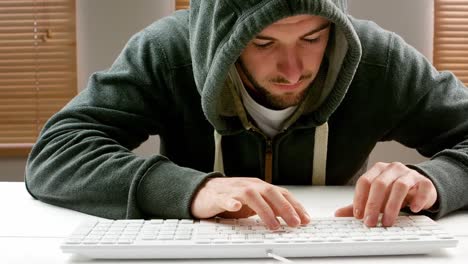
<point>182,4</point>
<point>37,68</point>
<point>451,37</point>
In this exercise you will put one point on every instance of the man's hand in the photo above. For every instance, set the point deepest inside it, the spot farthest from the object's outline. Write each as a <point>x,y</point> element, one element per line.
<point>243,197</point>
<point>386,188</point>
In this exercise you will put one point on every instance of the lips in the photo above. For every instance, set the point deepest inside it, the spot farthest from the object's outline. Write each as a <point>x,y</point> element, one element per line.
<point>288,87</point>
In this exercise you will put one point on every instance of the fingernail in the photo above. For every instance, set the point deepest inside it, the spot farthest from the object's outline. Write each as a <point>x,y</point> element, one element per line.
<point>356,213</point>
<point>370,220</point>
<point>298,220</point>
<point>366,220</point>
<point>415,209</point>
<point>233,204</point>
<point>275,225</point>
<point>386,221</point>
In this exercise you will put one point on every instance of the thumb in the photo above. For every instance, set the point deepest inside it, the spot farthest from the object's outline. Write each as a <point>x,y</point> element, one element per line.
<point>346,211</point>
<point>231,205</point>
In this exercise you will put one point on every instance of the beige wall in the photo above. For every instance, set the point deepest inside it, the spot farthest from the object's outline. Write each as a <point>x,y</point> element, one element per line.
<point>104,26</point>
<point>413,20</point>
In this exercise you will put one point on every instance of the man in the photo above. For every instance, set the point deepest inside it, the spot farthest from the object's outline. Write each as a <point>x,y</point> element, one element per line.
<point>267,93</point>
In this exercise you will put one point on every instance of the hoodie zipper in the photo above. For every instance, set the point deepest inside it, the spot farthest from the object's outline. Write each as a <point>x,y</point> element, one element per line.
<point>268,162</point>
<point>268,156</point>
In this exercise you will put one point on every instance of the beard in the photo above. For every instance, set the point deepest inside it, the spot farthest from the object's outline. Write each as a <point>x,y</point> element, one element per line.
<point>274,101</point>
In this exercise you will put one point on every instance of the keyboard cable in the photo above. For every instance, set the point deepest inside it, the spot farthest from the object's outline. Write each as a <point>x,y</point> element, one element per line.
<point>277,257</point>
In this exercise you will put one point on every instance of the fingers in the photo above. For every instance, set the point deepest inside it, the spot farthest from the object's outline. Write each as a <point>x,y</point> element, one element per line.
<point>378,196</point>
<point>287,207</point>
<point>346,211</point>
<point>396,198</point>
<point>254,200</point>
<point>284,209</point>
<point>266,200</point>
<point>386,188</point>
<point>301,211</point>
<point>280,203</point>
<point>363,186</point>
<point>231,205</point>
<point>425,196</point>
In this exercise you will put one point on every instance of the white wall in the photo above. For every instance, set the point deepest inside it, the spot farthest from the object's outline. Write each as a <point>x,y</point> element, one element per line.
<point>413,20</point>
<point>104,26</point>
<point>103,29</point>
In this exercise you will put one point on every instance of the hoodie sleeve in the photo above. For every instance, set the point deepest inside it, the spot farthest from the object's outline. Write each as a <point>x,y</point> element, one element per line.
<point>82,159</point>
<point>434,121</point>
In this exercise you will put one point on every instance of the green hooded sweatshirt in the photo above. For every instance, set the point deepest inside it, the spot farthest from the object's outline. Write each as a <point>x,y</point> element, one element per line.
<point>174,79</point>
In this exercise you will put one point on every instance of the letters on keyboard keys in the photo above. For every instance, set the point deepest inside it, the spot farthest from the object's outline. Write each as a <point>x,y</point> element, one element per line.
<point>248,238</point>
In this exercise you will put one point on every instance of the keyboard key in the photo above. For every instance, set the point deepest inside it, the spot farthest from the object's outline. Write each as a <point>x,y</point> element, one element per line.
<point>73,241</point>
<point>125,241</point>
<point>186,222</point>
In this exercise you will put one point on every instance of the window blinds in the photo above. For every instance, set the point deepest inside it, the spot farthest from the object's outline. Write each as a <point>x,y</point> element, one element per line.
<point>451,37</point>
<point>37,67</point>
<point>182,4</point>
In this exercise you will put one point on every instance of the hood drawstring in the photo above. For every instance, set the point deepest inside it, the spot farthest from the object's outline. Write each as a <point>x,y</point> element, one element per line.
<point>319,162</point>
<point>320,155</point>
<point>218,160</point>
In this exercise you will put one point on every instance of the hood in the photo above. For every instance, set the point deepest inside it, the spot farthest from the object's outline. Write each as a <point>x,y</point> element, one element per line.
<point>220,29</point>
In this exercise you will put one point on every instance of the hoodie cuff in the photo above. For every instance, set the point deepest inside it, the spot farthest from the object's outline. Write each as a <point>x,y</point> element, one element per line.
<point>166,190</point>
<point>450,181</point>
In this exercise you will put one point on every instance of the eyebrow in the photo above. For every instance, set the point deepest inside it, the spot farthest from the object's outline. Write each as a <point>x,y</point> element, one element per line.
<point>320,28</point>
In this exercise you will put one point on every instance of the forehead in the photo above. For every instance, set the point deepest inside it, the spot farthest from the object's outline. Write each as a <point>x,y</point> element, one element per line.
<point>295,19</point>
<point>295,22</point>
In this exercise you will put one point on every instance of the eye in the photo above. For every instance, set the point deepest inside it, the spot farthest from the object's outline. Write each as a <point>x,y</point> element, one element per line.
<point>262,45</point>
<point>312,40</point>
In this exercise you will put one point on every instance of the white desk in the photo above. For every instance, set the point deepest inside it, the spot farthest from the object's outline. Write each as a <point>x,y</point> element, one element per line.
<point>31,231</point>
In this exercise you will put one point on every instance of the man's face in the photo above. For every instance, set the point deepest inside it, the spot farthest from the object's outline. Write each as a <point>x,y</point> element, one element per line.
<point>278,65</point>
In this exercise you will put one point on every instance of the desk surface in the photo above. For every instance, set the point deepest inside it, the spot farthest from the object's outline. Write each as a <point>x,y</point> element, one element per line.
<point>31,231</point>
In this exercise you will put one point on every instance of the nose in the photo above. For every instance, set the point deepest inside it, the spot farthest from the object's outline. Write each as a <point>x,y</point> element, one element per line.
<point>290,65</point>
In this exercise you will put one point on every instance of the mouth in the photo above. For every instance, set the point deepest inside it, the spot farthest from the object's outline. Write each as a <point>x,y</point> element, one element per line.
<point>288,87</point>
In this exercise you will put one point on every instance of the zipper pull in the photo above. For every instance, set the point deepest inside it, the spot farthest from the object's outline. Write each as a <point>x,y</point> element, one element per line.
<point>268,162</point>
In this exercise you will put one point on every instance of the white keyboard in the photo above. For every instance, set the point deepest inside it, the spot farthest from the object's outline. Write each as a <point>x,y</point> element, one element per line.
<point>248,238</point>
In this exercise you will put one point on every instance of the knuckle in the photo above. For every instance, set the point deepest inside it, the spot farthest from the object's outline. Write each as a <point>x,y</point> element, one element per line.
<point>422,195</point>
<point>266,211</point>
<point>358,197</point>
<point>281,189</point>
<point>426,182</point>
<point>286,193</point>
<point>398,166</point>
<point>373,207</point>
<point>248,192</point>
<point>401,184</point>
<point>262,211</point>
<point>286,208</point>
<point>392,207</point>
<point>363,181</point>
<point>257,180</point>
<point>380,165</point>
<point>380,183</point>
<point>269,190</point>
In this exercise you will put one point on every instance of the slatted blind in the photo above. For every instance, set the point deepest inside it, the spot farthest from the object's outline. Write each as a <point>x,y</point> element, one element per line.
<point>182,4</point>
<point>451,37</point>
<point>37,67</point>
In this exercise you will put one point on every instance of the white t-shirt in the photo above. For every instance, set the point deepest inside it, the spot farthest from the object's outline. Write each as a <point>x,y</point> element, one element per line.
<point>268,120</point>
